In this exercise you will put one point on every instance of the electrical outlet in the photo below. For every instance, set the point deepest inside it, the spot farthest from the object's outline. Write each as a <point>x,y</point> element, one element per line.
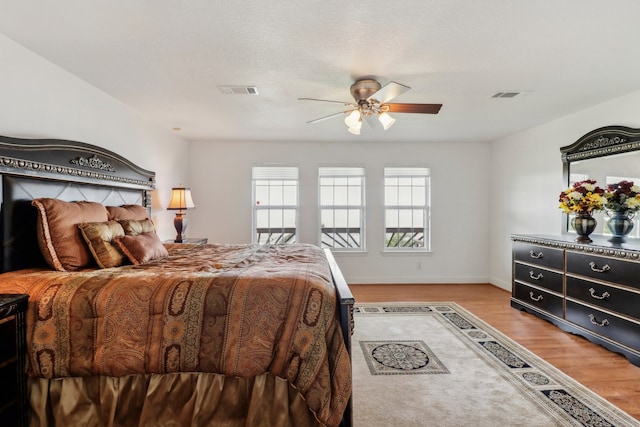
<point>419,265</point>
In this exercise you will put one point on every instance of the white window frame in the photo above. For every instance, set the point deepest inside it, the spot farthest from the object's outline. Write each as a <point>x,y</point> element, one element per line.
<point>278,180</point>
<point>351,179</point>
<point>402,182</point>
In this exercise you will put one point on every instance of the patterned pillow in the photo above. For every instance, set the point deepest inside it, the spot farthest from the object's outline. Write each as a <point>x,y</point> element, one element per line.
<point>133,227</point>
<point>141,248</point>
<point>127,212</point>
<point>99,236</point>
<point>60,240</point>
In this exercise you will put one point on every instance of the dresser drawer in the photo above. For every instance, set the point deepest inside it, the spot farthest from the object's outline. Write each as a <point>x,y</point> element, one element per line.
<point>539,255</point>
<point>538,277</point>
<point>607,297</point>
<point>608,269</point>
<point>545,301</point>
<point>604,324</point>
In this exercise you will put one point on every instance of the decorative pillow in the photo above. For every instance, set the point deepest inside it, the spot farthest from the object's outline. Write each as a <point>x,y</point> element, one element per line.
<point>133,227</point>
<point>127,212</point>
<point>58,235</point>
<point>99,236</point>
<point>141,248</point>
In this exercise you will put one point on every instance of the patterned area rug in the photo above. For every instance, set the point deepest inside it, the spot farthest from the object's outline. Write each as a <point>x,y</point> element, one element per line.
<point>436,364</point>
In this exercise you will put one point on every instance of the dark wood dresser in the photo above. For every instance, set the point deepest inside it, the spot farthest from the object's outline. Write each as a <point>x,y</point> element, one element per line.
<point>592,290</point>
<point>13,392</point>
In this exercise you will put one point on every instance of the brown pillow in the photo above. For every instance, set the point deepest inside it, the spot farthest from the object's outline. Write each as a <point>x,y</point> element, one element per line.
<point>99,236</point>
<point>127,212</point>
<point>141,248</point>
<point>133,227</point>
<point>59,238</point>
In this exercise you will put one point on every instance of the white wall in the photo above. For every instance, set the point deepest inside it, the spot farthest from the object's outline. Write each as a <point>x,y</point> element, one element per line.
<point>40,100</point>
<point>221,187</point>
<point>526,177</point>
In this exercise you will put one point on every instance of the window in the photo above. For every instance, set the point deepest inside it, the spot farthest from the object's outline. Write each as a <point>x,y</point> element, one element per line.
<point>406,200</point>
<point>275,204</point>
<point>341,207</point>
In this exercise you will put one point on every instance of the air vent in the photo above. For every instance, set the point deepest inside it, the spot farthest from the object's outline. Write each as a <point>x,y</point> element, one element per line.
<point>506,94</point>
<point>238,90</point>
<point>512,94</point>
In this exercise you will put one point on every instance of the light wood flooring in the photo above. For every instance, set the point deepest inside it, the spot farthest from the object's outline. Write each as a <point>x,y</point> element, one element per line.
<point>606,373</point>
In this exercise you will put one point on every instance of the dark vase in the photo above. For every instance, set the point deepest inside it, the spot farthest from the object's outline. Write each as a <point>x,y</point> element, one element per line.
<point>584,224</point>
<point>620,224</point>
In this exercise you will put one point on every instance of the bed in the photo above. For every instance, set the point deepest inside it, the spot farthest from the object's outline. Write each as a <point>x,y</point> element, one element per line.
<point>129,331</point>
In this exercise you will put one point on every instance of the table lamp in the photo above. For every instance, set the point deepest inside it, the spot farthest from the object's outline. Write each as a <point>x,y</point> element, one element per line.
<point>180,200</point>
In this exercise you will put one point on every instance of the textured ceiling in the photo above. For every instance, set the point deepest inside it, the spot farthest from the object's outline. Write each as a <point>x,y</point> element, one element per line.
<point>166,59</point>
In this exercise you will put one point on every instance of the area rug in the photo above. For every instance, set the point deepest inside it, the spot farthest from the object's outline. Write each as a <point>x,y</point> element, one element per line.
<point>436,364</point>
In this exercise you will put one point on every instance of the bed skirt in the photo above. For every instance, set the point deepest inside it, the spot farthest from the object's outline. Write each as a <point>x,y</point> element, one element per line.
<point>181,399</point>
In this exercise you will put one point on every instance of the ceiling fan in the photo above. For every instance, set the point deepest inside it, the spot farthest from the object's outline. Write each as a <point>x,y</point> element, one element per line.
<point>371,102</point>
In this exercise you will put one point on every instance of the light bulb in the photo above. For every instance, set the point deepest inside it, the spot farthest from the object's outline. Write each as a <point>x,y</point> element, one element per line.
<point>353,119</point>
<point>386,120</point>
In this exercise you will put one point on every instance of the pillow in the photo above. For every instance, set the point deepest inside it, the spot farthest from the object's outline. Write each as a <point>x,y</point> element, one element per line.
<point>59,238</point>
<point>127,212</point>
<point>133,227</point>
<point>99,236</point>
<point>141,248</point>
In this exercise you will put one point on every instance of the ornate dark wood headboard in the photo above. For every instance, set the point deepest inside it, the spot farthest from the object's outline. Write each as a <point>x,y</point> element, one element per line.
<point>67,170</point>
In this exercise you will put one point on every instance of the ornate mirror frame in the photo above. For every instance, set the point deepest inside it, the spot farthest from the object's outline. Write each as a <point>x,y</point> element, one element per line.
<point>598,144</point>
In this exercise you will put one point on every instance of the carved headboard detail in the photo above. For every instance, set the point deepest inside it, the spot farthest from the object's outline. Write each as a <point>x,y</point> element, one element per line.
<point>67,170</point>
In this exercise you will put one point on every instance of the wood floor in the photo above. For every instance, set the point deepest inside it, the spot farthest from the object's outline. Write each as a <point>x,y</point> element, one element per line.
<point>606,373</point>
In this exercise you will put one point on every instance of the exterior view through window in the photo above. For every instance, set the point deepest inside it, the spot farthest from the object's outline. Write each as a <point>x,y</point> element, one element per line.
<point>341,191</point>
<point>275,204</point>
<point>406,200</point>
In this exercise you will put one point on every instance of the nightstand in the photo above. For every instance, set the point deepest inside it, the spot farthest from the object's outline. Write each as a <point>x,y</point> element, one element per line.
<point>196,240</point>
<point>13,351</point>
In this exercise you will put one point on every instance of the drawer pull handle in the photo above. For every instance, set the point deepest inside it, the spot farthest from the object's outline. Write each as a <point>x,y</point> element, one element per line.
<point>538,298</point>
<point>599,270</point>
<point>538,277</point>
<point>605,322</point>
<point>604,295</point>
<point>535,255</point>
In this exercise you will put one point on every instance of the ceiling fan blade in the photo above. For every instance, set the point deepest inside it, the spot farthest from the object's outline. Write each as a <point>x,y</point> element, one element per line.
<point>329,116</point>
<point>351,104</point>
<point>414,108</point>
<point>372,121</point>
<point>389,91</point>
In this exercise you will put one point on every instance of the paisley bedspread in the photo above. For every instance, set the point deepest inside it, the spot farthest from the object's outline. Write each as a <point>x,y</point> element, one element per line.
<point>237,310</point>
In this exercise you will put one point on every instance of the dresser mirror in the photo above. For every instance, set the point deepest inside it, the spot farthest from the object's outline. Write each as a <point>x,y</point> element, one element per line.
<point>608,155</point>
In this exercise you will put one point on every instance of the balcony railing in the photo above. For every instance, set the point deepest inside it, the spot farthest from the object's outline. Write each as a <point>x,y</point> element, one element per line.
<point>398,237</point>
<point>349,238</point>
<point>345,238</point>
<point>341,237</point>
<point>276,236</point>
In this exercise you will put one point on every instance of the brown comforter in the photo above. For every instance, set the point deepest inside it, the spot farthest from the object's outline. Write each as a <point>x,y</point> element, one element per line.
<point>237,310</point>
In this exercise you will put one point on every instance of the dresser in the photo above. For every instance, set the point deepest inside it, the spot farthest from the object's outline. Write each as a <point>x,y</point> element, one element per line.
<point>13,381</point>
<point>592,290</point>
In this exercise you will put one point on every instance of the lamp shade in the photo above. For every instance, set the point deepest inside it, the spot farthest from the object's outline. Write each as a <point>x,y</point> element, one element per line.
<point>180,199</point>
<point>386,120</point>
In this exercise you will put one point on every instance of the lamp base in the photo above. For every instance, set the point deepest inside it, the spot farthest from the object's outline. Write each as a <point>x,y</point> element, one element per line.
<point>180,223</point>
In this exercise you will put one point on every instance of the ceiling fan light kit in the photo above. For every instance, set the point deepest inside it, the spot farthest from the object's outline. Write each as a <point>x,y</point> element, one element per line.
<point>372,100</point>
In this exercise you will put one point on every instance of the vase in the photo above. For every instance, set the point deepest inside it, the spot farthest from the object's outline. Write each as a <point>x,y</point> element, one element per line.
<point>620,224</point>
<point>584,224</point>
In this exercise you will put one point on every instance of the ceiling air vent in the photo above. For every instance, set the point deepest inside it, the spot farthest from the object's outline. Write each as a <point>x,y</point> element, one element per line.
<point>512,94</point>
<point>238,90</point>
<point>506,94</point>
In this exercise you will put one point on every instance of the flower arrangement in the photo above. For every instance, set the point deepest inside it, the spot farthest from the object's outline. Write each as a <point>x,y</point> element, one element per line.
<point>622,197</point>
<point>582,197</point>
